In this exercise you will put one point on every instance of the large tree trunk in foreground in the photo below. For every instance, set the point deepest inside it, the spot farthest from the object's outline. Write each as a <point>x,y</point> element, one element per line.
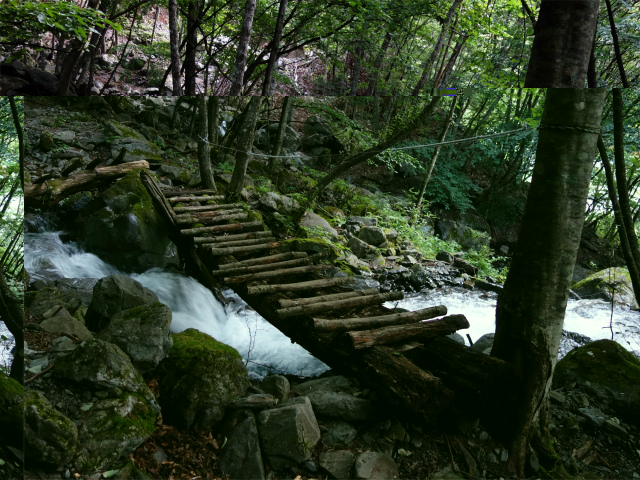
<point>245,142</point>
<point>531,308</point>
<point>562,45</point>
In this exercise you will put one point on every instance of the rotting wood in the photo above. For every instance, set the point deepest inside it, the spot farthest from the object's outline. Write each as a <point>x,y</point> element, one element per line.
<point>297,287</point>
<point>241,243</point>
<point>262,268</point>
<point>207,208</point>
<point>231,238</point>
<point>252,248</point>
<point>209,217</point>
<point>51,192</point>
<point>205,198</point>
<point>286,303</point>
<point>263,260</point>
<point>232,227</point>
<point>278,273</point>
<point>345,304</point>
<point>179,193</point>
<point>402,333</point>
<point>349,324</point>
<point>158,198</point>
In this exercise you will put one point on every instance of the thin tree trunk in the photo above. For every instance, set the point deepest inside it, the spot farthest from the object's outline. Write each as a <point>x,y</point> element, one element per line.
<point>561,48</point>
<point>373,81</point>
<point>616,45</point>
<point>245,141</point>
<point>190,53</point>
<point>531,308</point>
<point>175,47</point>
<point>204,160</point>
<point>124,53</point>
<point>243,47</point>
<point>267,86</point>
<point>287,105</point>
<point>155,21</point>
<point>357,66</point>
<point>444,78</point>
<point>18,125</point>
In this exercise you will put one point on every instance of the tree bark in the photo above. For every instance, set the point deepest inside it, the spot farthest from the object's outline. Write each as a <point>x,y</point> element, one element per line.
<point>245,142</point>
<point>193,10</point>
<point>243,47</point>
<point>531,308</point>
<point>175,47</point>
<point>373,81</point>
<point>204,161</point>
<point>616,45</point>
<point>352,324</point>
<point>17,122</point>
<point>344,304</point>
<point>287,105</point>
<point>241,243</point>
<point>214,129</point>
<point>564,35</point>
<point>267,86</point>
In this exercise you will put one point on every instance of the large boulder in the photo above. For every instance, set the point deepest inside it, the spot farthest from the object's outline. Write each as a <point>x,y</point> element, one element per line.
<point>113,294</point>
<point>600,285</point>
<point>290,432</point>
<point>312,221</point>
<point>609,369</point>
<point>279,203</point>
<point>360,248</point>
<point>50,437</point>
<point>198,379</point>
<point>63,322</point>
<point>131,146</point>
<point>265,137</point>
<point>469,230</point>
<point>336,463</point>
<point>375,465</point>
<point>241,458</point>
<point>48,301</point>
<point>122,227</point>
<point>142,333</point>
<point>11,411</point>
<point>372,235</point>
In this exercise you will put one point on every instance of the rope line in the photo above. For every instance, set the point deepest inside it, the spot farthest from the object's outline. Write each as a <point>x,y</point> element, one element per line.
<point>568,127</point>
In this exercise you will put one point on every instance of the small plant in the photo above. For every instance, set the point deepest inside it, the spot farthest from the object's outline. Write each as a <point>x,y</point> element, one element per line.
<point>225,167</point>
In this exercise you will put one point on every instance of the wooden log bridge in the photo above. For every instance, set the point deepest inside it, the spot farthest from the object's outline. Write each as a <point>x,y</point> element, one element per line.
<point>288,285</point>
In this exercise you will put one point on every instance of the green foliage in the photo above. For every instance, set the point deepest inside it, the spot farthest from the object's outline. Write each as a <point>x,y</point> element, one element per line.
<point>483,258</point>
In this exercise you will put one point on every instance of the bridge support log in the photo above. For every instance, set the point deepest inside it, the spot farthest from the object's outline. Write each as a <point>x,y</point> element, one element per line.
<point>344,304</point>
<point>350,324</point>
<point>233,227</point>
<point>327,298</point>
<point>283,272</point>
<point>208,208</point>
<point>263,260</point>
<point>231,238</point>
<point>298,287</point>
<point>211,217</point>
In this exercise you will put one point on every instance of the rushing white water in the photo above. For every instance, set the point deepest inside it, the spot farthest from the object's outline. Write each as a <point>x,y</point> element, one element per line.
<point>5,346</point>
<point>193,306</point>
<point>590,318</point>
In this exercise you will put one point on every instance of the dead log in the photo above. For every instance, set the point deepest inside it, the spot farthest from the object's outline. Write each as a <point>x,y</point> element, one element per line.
<point>263,260</point>
<point>285,303</point>
<point>349,324</point>
<point>283,272</point>
<point>207,208</point>
<point>205,198</point>
<point>233,227</point>
<point>212,217</point>
<point>51,192</point>
<point>158,198</point>
<point>344,304</point>
<point>251,248</point>
<point>182,193</point>
<point>262,268</point>
<point>230,238</point>
<point>402,333</point>
<point>297,287</point>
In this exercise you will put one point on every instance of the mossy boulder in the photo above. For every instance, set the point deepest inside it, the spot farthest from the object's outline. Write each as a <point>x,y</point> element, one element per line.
<point>468,229</point>
<point>123,228</point>
<point>11,411</point>
<point>50,437</point>
<point>314,245</point>
<point>48,301</point>
<point>132,146</point>
<point>601,285</point>
<point>198,379</point>
<point>610,369</point>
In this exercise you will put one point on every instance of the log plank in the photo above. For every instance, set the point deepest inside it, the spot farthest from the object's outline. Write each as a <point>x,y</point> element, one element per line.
<point>349,324</point>
<point>347,303</point>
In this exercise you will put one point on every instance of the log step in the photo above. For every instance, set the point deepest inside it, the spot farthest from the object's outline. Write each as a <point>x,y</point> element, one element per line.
<point>263,260</point>
<point>207,208</point>
<point>204,198</point>
<point>283,272</point>
<point>233,227</point>
<point>402,333</point>
<point>349,324</point>
<point>251,248</point>
<point>298,287</point>
<point>208,218</point>
<point>182,193</point>
<point>286,303</point>
<point>240,243</point>
<point>339,304</point>
<point>232,238</point>
<point>268,266</point>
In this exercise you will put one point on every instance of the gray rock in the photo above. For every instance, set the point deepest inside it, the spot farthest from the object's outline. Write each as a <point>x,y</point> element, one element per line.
<point>311,220</point>
<point>179,176</point>
<point>362,221</point>
<point>457,338</point>
<point>47,299</point>
<point>484,342</point>
<point>339,433</point>
<point>359,248</point>
<point>337,463</point>
<point>50,437</point>
<point>447,473</point>
<point>241,458</point>
<point>372,235</point>
<point>83,287</point>
<point>595,415</point>
<point>337,383</point>
<point>63,322</point>
<point>65,136</point>
<point>444,257</point>
<point>408,260</point>
<point>258,401</point>
<point>44,83</point>
<point>62,344</point>
<point>107,60</point>
<point>46,141</point>
<point>375,465</point>
<point>342,406</point>
<point>611,426</point>
<point>279,203</point>
<point>600,285</point>
<point>278,386</point>
<point>557,396</point>
<point>290,431</point>
<point>113,294</point>
<point>199,379</point>
<point>391,234</point>
<point>143,333</point>
<point>469,230</point>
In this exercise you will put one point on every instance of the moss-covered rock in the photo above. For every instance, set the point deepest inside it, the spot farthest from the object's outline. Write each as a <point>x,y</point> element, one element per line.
<point>11,411</point>
<point>123,227</point>
<point>50,437</point>
<point>601,285</point>
<point>609,368</point>
<point>313,244</point>
<point>200,377</point>
<point>48,301</point>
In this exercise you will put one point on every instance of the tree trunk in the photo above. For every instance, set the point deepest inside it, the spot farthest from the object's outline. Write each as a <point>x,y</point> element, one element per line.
<point>531,308</point>
<point>190,52</point>
<point>267,85</point>
<point>355,72</point>
<point>287,105</point>
<point>245,142</point>
<point>243,47</point>
<point>175,47</point>
<point>204,159</point>
<point>214,108</point>
<point>17,122</point>
<point>616,45</point>
<point>564,35</point>
<point>373,81</point>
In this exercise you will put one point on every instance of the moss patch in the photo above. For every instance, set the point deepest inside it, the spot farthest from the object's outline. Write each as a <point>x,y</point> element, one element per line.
<point>11,409</point>
<point>192,347</point>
